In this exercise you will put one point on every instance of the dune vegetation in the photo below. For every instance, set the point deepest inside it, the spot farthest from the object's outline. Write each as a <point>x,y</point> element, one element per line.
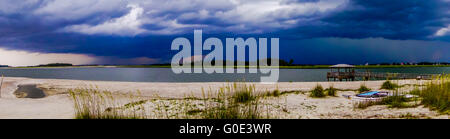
<point>434,94</point>
<point>236,101</point>
<point>240,101</point>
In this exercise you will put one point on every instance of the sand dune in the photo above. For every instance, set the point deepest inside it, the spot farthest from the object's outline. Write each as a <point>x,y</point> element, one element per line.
<point>57,103</point>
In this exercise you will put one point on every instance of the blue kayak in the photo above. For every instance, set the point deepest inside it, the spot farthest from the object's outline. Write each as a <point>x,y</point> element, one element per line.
<point>371,93</point>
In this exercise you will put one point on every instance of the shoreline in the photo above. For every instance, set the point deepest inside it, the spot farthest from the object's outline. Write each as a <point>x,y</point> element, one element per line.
<point>57,103</point>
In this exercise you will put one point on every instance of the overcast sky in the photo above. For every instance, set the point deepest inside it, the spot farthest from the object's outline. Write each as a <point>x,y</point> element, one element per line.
<point>140,31</point>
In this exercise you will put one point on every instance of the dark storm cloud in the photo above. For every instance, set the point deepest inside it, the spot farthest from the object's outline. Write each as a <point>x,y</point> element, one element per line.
<point>391,19</point>
<point>361,51</point>
<point>138,28</point>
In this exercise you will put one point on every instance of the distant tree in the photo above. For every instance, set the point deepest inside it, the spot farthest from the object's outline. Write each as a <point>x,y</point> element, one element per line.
<point>55,65</point>
<point>291,61</point>
<point>283,62</point>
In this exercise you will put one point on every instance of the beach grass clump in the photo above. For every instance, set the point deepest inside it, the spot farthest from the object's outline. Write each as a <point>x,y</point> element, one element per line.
<point>274,93</point>
<point>396,101</point>
<point>363,88</point>
<point>389,85</point>
<point>364,104</point>
<point>331,91</point>
<point>317,92</point>
<point>436,94</point>
<point>97,104</point>
<point>408,116</point>
<point>232,111</point>
<point>236,102</point>
<point>194,111</point>
<point>243,93</point>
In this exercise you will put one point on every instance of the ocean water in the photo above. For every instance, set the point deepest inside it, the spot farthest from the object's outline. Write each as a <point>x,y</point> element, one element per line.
<point>166,74</point>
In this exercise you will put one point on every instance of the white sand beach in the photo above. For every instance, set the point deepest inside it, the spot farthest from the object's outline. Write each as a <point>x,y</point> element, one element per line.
<point>58,104</point>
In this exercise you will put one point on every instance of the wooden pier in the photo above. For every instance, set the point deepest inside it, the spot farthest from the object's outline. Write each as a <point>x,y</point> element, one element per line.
<point>348,73</point>
<point>342,72</point>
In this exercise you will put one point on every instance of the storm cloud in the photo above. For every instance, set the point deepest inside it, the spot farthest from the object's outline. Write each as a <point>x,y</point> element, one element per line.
<point>143,29</point>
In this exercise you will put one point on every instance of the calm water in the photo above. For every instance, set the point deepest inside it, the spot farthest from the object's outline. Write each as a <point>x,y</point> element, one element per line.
<point>166,74</point>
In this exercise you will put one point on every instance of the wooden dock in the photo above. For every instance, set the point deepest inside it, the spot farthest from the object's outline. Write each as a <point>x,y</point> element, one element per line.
<point>347,72</point>
<point>375,75</point>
